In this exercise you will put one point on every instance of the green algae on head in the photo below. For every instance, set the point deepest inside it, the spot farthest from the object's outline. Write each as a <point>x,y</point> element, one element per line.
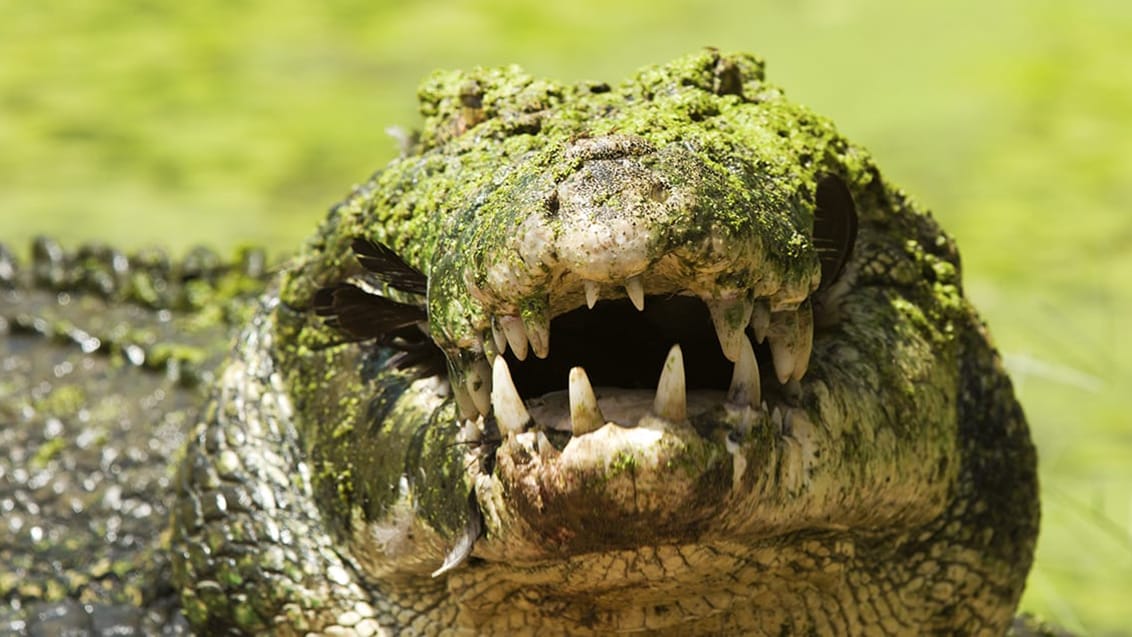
<point>662,356</point>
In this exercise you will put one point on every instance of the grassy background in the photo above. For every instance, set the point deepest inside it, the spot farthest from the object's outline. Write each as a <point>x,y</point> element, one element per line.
<point>145,122</point>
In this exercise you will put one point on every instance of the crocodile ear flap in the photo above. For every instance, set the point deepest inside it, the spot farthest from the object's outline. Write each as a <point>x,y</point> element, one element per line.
<point>388,267</point>
<point>835,227</point>
<point>363,315</point>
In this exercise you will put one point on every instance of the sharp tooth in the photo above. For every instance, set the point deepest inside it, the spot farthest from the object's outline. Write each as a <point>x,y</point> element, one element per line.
<point>745,388</point>
<point>538,332</point>
<point>787,342</point>
<point>585,416</point>
<point>791,337</point>
<point>805,340</point>
<point>670,403</point>
<point>478,383</point>
<point>515,334</point>
<point>464,403</point>
<point>730,318</point>
<point>591,294</point>
<point>546,450</point>
<point>498,336</point>
<point>760,319</point>
<point>510,412</point>
<point>465,542</point>
<point>636,292</point>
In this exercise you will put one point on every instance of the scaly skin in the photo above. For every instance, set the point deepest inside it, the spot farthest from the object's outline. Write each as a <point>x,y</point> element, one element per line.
<point>105,359</point>
<point>878,479</point>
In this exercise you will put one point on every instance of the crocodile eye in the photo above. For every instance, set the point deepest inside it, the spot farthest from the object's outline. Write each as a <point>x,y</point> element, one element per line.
<point>835,227</point>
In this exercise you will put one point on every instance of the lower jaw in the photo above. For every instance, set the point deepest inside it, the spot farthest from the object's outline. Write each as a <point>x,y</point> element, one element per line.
<point>615,487</point>
<point>662,483</point>
<point>688,589</point>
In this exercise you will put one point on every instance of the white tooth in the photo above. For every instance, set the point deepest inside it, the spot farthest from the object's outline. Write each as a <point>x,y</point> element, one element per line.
<point>465,542</point>
<point>478,383</point>
<point>760,319</point>
<point>791,337</point>
<point>464,403</point>
<point>545,450</point>
<point>730,318</point>
<point>591,294</point>
<point>515,334</point>
<point>805,340</point>
<point>538,332</point>
<point>783,359</point>
<point>510,412</point>
<point>585,416</point>
<point>498,336</point>
<point>671,403</point>
<point>636,292</point>
<point>783,337</point>
<point>745,388</point>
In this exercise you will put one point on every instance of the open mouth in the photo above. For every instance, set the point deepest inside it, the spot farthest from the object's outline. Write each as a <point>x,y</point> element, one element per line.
<point>622,360</point>
<point>626,407</point>
<point>619,346</point>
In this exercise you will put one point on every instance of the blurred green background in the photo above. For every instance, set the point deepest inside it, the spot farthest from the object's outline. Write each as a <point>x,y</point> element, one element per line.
<point>144,122</point>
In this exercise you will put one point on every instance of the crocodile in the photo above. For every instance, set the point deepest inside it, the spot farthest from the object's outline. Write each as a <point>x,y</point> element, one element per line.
<point>664,357</point>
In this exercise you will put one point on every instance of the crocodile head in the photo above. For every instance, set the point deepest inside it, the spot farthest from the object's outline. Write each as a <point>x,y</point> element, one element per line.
<point>665,354</point>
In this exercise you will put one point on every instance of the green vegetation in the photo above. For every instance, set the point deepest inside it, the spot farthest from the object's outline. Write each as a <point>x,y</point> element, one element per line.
<point>142,122</point>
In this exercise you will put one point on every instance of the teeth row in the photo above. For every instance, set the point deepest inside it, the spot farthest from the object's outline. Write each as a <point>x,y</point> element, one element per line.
<point>790,336</point>
<point>670,403</point>
<point>791,333</point>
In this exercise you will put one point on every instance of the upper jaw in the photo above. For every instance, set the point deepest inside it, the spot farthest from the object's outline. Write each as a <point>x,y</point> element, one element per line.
<point>627,222</point>
<point>715,298</point>
<point>636,303</point>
